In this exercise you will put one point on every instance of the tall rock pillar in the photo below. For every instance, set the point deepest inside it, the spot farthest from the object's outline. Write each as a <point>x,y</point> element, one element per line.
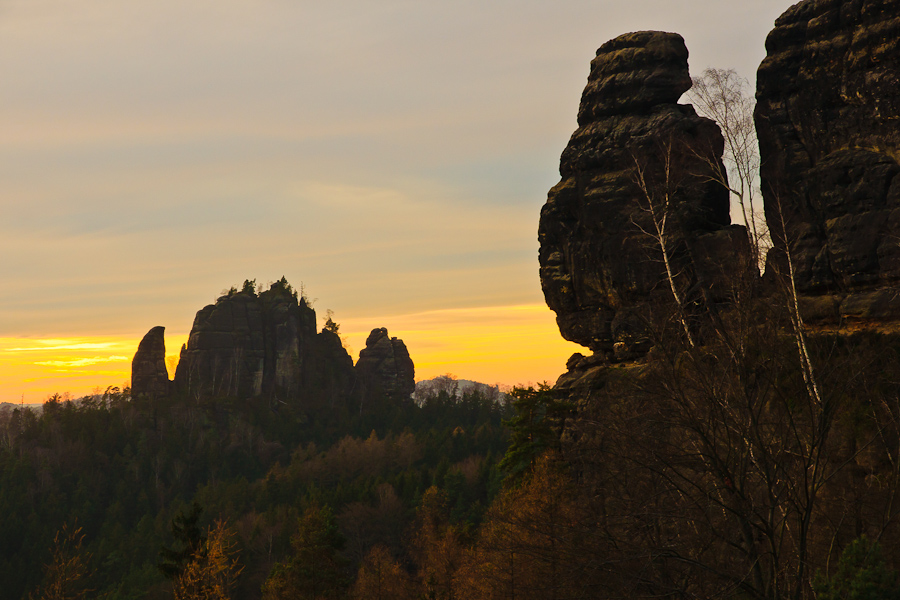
<point>149,376</point>
<point>637,159</point>
<point>384,369</point>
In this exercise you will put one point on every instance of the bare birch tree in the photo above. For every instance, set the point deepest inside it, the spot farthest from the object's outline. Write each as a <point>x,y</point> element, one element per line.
<point>658,187</point>
<point>725,97</point>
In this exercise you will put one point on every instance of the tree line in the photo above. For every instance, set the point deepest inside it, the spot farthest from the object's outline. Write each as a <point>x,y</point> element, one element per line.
<point>120,471</point>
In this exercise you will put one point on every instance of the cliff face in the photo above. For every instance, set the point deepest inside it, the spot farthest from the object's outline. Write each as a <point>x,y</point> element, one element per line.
<point>637,161</point>
<point>385,369</point>
<point>249,345</point>
<point>246,345</point>
<point>828,120</point>
<point>149,377</point>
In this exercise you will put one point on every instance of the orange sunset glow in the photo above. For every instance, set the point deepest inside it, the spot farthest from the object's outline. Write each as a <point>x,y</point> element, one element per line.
<point>504,345</point>
<point>394,159</point>
<point>31,369</point>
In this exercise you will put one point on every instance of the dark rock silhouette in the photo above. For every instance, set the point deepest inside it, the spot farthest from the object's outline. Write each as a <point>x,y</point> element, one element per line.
<point>149,377</point>
<point>330,374</point>
<point>385,369</point>
<point>828,120</point>
<point>248,345</point>
<point>601,270</point>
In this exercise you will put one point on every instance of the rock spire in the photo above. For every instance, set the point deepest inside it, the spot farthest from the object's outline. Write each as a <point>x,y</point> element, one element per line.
<point>637,159</point>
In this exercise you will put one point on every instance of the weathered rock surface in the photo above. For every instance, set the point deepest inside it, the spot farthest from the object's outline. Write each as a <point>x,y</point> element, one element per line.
<point>601,268</point>
<point>384,369</point>
<point>149,377</point>
<point>828,120</point>
<point>248,345</point>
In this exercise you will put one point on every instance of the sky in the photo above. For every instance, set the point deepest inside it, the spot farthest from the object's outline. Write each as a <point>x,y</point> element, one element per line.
<point>392,156</point>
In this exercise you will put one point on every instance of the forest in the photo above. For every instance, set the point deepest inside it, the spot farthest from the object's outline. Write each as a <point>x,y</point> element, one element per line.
<point>741,467</point>
<point>92,488</point>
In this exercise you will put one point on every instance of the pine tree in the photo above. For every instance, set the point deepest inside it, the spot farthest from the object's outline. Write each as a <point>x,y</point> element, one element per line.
<point>188,535</point>
<point>316,569</point>
<point>534,430</point>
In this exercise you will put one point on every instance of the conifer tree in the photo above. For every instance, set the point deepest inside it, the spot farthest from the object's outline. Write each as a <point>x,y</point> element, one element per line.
<point>316,570</point>
<point>188,535</point>
<point>534,430</point>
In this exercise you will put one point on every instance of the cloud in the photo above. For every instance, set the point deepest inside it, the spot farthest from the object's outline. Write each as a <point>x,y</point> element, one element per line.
<point>38,367</point>
<point>46,345</point>
<point>391,154</point>
<point>82,362</point>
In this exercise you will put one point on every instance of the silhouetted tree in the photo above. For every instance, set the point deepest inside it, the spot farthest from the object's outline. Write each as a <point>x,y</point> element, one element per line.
<point>534,430</point>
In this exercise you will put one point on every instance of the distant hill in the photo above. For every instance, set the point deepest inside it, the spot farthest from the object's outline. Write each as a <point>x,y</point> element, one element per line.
<point>456,388</point>
<point>13,405</point>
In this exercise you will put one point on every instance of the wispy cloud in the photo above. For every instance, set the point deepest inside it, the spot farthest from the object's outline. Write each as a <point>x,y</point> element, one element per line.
<point>54,345</point>
<point>82,362</point>
<point>38,367</point>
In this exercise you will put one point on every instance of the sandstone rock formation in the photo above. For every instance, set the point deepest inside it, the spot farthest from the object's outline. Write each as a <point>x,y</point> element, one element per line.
<point>248,345</point>
<point>602,267</point>
<point>385,369</point>
<point>828,121</point>
<point>149,377</point>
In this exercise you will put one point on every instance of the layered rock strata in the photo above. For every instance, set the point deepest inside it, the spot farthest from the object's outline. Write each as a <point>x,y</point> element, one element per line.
<point>637,175</point>
<point>828,121</point>
<point>149,377</point>
<point>384,369</point>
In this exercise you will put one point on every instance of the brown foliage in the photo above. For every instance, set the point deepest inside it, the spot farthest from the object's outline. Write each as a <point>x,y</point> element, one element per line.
<point>438,548</point>
<point>352,457</point>
<point>364,525</point>
<point>211,573</point>
<point>381,577</point>
<point>538,541</point>
<point>65,574</point>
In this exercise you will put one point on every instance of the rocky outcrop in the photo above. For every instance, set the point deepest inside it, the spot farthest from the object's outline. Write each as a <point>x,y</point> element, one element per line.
<point>329,373</point>
<point>637,157</point>
<point>384,369</point>
<point>251,344</point>
<point>266,344</point>
<point>149,377</point>
<point>828,121</point>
